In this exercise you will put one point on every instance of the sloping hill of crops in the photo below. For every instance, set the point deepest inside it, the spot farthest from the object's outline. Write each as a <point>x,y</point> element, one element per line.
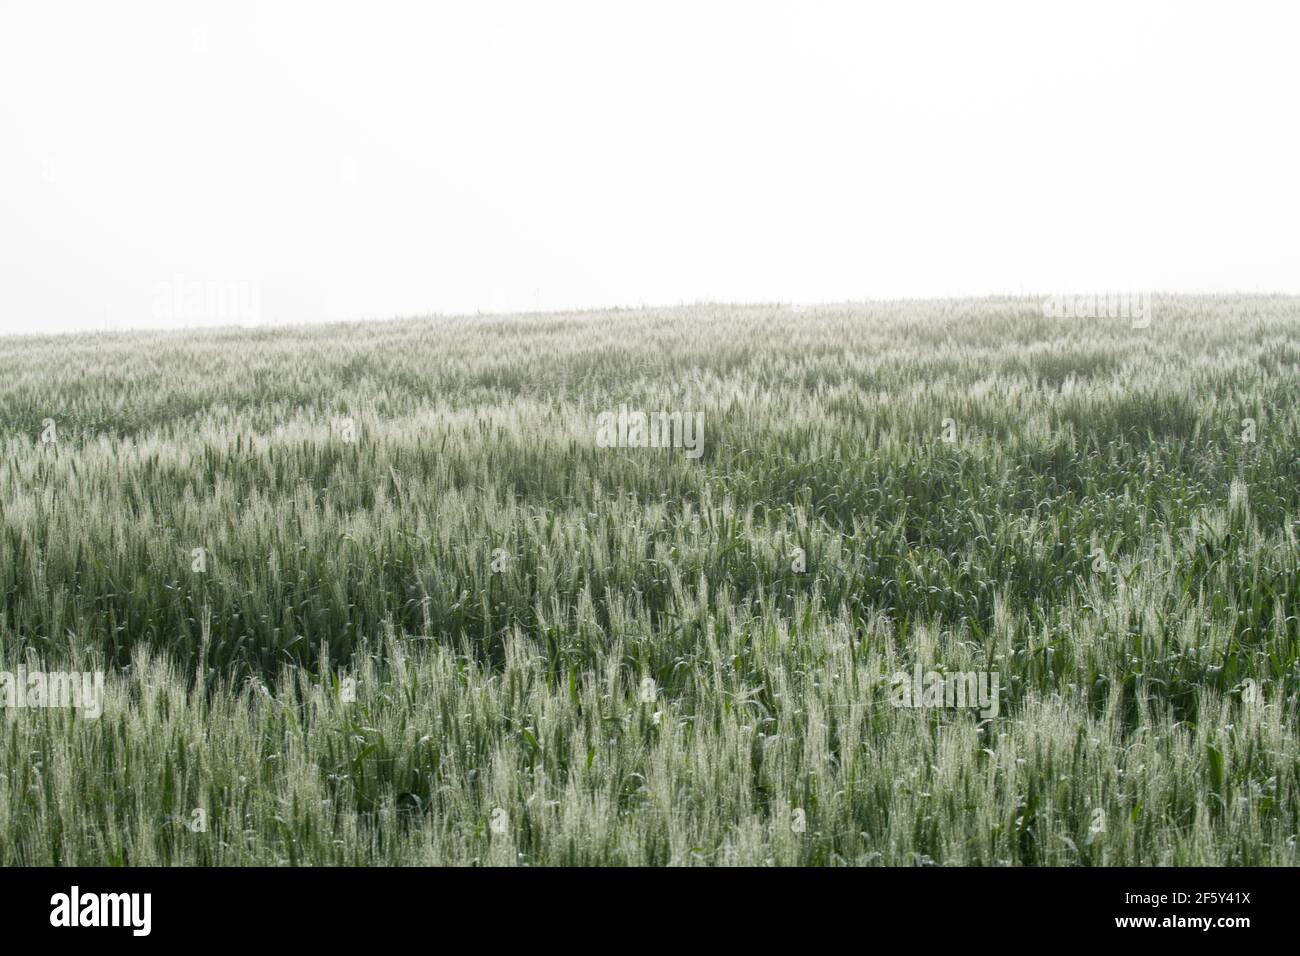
<point>376,593</point>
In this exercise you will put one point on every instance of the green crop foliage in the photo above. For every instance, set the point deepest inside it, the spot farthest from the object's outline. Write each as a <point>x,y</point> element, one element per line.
<point>646,678</point>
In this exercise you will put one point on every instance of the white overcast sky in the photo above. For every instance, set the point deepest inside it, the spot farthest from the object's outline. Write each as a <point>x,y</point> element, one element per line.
<point>375,159</point>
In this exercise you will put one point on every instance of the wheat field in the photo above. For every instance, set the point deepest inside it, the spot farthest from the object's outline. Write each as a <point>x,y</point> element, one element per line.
<point>375,593</point>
